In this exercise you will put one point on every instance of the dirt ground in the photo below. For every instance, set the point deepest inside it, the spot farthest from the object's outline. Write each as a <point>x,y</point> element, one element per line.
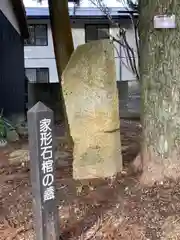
<point>110,209</point>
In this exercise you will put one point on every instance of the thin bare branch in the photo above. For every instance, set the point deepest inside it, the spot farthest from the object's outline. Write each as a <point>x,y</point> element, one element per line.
<point>134,22</point>
<point>127,66</point>
<point>121,38</point>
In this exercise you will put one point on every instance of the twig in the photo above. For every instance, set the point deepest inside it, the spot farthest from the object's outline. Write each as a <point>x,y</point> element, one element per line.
<point>122,39</point>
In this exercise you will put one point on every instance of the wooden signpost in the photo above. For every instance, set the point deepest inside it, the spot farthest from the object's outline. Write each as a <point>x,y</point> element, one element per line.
<point>41,147</point>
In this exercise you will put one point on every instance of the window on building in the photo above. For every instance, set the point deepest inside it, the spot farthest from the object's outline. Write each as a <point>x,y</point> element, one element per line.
<point>37,75</point>
<point>37,35</point>
<point>96,32</point>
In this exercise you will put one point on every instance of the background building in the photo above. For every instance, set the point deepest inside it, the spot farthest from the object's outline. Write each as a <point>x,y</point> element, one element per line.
<point>88,23</point>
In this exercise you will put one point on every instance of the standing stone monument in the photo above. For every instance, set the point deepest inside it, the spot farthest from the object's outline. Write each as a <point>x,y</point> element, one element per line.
<point>91,99</point>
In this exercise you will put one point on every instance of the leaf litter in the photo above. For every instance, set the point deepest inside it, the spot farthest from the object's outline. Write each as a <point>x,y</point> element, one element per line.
<point>116,208</point>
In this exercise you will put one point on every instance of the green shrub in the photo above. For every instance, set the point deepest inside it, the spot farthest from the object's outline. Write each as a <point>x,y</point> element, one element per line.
<point>5,126</point>
<point>2,129</point>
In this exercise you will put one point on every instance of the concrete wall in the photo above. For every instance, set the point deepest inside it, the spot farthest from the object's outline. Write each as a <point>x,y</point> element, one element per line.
<point>129,99</point>
<point>47,93</point>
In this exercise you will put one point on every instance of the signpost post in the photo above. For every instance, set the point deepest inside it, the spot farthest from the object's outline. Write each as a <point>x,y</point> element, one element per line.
<point>41,147</point>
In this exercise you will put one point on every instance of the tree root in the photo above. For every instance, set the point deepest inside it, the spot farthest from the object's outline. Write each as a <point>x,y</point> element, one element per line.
<point>155,169</point>
<point>137,166</point>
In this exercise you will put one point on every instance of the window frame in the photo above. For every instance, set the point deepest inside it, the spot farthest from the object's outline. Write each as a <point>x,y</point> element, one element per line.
<point>36,69</point>
<point>95,24</point>
<point>34,26</point>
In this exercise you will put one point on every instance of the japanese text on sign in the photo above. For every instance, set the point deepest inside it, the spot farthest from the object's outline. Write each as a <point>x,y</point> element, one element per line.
<point>47,161</point>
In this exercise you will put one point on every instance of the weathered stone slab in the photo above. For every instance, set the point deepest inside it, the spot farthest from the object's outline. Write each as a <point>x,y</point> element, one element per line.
<point>91,99</point>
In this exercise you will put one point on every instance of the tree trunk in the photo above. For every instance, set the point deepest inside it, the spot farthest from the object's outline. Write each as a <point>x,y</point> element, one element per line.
<point>160,87</point>
<point>63,44</point>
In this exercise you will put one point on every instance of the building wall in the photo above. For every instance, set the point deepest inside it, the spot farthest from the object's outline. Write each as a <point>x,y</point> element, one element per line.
<point>43,56</point>
<point>12,77</point>
<point>6,8</point>
<point>84,3</point>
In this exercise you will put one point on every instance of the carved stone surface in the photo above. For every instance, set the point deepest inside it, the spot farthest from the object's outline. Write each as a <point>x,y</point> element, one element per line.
<point>91,99</point>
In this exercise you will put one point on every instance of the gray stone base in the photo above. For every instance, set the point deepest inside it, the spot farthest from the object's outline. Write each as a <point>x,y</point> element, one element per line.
<point>129,99</point>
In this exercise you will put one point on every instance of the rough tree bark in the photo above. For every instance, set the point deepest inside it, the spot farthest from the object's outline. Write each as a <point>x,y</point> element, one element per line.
<point>63,44</point>
<point>160,87</point>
